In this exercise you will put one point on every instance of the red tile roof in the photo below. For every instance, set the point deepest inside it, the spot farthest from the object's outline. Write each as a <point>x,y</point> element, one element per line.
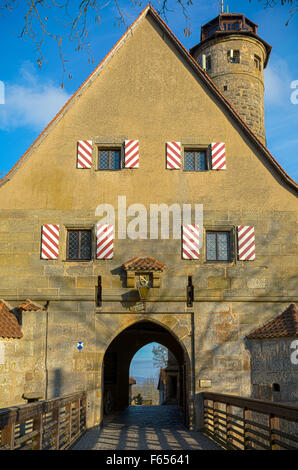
<point>284,325</point>
<point>29,306</point>
<point>132,381</point>
<point>9,327</point>
<point>144,264</point>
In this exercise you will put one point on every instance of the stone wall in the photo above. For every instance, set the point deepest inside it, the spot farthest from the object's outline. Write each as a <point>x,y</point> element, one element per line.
<point>271,364</point>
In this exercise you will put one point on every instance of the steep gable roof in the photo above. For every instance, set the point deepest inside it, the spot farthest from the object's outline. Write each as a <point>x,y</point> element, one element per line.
<point>149,10</point>
<point>284,325</point>
<point>9,326</point>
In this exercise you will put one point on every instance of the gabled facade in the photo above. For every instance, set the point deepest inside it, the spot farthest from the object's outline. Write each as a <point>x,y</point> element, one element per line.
<point>147,128</point>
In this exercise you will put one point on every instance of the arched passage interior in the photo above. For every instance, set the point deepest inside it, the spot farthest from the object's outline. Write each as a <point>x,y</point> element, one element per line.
<point>118,357</point>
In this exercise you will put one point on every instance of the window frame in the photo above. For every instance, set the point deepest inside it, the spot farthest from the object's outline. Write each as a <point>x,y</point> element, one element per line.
<point>67,243</point>
<point>231,243</point>
<point>208,62</point>
<point>258,63</point>
<point>109,148</point>
<point>196,149</point>
<point>232,60</point>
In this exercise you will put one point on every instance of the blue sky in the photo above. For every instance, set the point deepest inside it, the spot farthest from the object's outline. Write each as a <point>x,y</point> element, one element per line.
<point>142,363</point>
<point>33,95</point>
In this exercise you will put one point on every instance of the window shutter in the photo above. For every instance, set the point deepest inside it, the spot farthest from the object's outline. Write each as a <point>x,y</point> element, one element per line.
<point>131,154</point>
<point>218,156</point>
<point>190,242</point>
<point>104,241</point>
<point>246,243</point>
<point>173,155</point>
<point>50,242</point>
<point>84,154</point>
<point>204,63</point>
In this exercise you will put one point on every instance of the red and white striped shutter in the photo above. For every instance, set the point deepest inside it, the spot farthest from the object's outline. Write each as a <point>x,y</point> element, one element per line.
<point>84,154</point>
<point>246,243</point>
<point>131,154</point>
<point>190,242</point>
<point>50,241</point>
<point>218,156</point>
<point>173,155</point>
<point>104,241</point>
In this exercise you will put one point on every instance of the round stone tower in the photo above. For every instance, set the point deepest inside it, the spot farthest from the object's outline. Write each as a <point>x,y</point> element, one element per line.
<point>234,57</point>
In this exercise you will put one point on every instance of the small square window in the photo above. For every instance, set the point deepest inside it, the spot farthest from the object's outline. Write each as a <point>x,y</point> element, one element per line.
<point>195,160</point>
<point>109,159</point>
<point>218,246</point>
<point>234,56</point>
<point>79,244</point>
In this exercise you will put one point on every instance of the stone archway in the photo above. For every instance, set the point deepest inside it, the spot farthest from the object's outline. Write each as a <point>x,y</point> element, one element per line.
<point>118,357</point>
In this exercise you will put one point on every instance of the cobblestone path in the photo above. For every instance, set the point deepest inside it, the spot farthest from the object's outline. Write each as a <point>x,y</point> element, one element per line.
<point>145,428</point>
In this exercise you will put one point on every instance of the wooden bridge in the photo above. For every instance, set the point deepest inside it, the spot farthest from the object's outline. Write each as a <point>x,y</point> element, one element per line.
<point>233,422</point>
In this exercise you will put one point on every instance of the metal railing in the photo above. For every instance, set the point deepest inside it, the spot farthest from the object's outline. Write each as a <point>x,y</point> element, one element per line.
<point>244,423</point>
<point>45,425</point>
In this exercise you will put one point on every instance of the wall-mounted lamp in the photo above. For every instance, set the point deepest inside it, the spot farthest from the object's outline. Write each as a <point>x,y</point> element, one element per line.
<point>143,287</point>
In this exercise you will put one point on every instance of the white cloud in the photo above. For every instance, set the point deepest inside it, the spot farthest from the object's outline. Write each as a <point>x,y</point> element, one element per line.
<point>277,83</point>
<point>30,101</point>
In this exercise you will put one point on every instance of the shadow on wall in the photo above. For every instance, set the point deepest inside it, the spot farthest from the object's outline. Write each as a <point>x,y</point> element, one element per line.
<point>57,383</point>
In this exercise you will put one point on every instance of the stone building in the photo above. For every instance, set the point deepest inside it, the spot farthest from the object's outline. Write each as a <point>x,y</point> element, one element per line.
<point>168,382</point>
<point>274,358</point>
<point>148,131</point>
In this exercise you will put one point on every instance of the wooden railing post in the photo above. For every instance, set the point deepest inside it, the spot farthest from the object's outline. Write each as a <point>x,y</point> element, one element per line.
<point>68,422</point>
<point>229,410</point>
<point>246,416</point>
<point>37,426</point>
<point>8,432</point>
<point>274,424</point>
<point>56,417</point>
<point>215,417</point>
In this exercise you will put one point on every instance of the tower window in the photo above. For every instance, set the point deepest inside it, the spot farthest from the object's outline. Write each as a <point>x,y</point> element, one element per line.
<point>258,63</point>
<point>231,26</point>
<point>208,62</point>
<point>234,56</point>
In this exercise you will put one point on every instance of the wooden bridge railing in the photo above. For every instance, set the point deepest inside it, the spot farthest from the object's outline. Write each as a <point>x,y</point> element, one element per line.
<point>44,425</point>
<point>244,423</point>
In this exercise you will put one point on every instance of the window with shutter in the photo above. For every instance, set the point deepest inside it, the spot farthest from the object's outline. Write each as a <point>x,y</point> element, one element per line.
<point>218,246</point>
<point>79,245</point>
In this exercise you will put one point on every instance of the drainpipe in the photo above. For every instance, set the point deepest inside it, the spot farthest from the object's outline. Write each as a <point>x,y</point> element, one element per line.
<point>46,349</point>
<point>193,373</point>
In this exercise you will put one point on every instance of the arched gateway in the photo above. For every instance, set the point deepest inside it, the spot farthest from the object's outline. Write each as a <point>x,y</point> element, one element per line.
<point>118,357</point>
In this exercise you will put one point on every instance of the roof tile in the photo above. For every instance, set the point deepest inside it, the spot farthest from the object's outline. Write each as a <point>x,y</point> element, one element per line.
<point>29,306</point>
<point>284,325</point>
<point>9,326</point>
<point>144,264</point>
